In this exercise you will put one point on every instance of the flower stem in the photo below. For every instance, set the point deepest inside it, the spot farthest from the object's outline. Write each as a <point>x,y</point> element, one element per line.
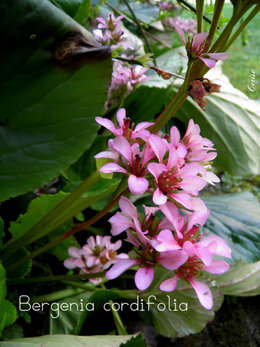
<point>117,319</point>
<point>57,278</point>
<point>140,29</point>
<point>216,17</point>
<point>199,13</point>
<point>52,220</point>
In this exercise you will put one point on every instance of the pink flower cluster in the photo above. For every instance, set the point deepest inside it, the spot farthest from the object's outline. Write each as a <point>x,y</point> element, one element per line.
<point>96,256</point>
<point>110,32</point>
<point>171,168</point>
<point>174,243</point>
<point>124,79</point>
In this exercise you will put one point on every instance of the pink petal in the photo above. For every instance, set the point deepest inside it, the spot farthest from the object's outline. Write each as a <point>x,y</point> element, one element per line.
<point>173,260</point>
<point>180,32</point>
<point>175,136</point>
<point>172,214</point>
<point>74,252</point>
<point>189,248</point>
<point>184,199</point>
<point>121,115</point>
<point>208,62</point>
<point>203,292</point>
<point>121,266</point>
<point>127,206</point>
<point>107,154</point>
<point>173,158</point>
<point>142,126</point>
<point>217,267</point>
<point>144,277</point>
<point>158,145</point>
<point>167,241</point>
<point>159,198</point>
<point>137,185</point>
<point>221,246</point>
<point>218,56</point>
<point>198,40</point>
<point>170,284</point>
<point>198,205</point>
<point>122,146</point>
<point>112,167</point>
<point>119,223</point>
<point>199,218</point>
<point>204,254</point>
<point>156,169</point>
<point>106,123</point>
<point>69,263</point>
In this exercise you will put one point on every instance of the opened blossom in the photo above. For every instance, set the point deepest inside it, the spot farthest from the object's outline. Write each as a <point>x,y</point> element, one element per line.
<point>175,243</point>
<point>95,256</point>
<point>110,32</point>
<point>171,168</point>
<point>197,48</point>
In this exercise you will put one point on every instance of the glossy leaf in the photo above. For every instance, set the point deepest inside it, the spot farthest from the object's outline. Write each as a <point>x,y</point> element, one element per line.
<point>47,109</point>
<point>75,341</point>
<point>241,280</point>
<point>236,218</point>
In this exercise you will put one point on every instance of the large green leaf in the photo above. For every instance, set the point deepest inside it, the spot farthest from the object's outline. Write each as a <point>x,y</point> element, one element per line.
<point>70,340</point>
<point>241,280</point>
<point>236,218</point>
<point>47,108</point>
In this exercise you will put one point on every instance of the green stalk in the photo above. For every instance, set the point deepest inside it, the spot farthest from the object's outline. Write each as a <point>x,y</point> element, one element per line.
<point>57,278</point>
<point>140,29</point>
<point>216,17</point>
<point>56,217</point>
<point>233,38</point>
<point>225,35</point>
<point>175,104</point>
<point>199,13</point>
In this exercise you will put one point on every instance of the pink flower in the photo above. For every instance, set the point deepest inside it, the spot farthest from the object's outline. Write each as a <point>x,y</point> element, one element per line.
<point>96,256</point>
<point>110,32</point>
<point>197,47</point>
<point>123,128</point>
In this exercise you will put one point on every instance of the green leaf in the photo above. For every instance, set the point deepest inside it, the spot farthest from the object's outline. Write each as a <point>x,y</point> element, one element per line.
<point>135,341</point>
<point>236,218</point>
<point>37,209</point>
<point>232,124</point>
<point>23,269</point>
<point>47,108</point>
<point>8,311</point>
<point>241,280</point>
<point>2,234</point>
<point>69,6</point>
<point>69,340</point>
<point>71,321</point>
